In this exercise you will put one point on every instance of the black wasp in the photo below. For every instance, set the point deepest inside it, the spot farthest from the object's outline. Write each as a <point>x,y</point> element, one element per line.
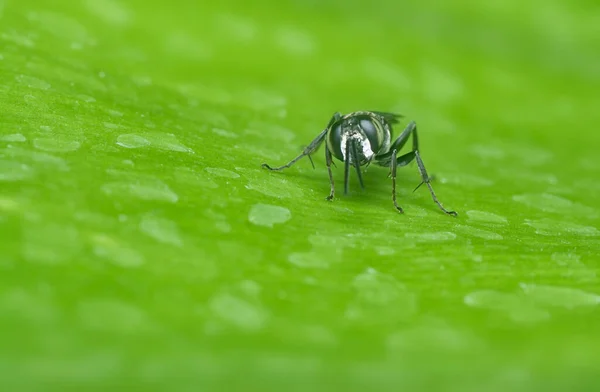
<point>360,137</point>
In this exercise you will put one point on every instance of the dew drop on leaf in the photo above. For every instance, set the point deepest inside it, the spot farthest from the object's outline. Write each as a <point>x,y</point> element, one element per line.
<point>268,215</point>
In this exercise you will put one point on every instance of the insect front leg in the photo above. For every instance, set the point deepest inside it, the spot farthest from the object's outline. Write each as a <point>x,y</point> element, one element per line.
<point>312,147</point>
<point>356,162</point>
<point>329,161</point>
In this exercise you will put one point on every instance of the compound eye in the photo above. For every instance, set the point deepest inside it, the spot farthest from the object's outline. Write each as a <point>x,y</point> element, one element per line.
<point>373,133</point>
<point>334,141</point>
<point>367,126</point>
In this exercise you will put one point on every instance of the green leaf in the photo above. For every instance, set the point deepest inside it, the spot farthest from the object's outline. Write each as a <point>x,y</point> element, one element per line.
<point>142,244</point>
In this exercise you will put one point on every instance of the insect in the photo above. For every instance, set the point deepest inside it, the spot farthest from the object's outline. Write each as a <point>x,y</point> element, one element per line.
<point>362,137</point>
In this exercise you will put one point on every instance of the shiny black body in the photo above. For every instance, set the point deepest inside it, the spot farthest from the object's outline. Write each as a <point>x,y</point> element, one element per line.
<point>362,137</point>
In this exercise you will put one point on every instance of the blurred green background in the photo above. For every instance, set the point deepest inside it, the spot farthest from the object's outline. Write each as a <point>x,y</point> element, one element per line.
<point>143,246</point>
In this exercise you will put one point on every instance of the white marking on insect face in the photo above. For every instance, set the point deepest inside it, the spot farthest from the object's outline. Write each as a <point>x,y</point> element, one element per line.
<point>363,141</point>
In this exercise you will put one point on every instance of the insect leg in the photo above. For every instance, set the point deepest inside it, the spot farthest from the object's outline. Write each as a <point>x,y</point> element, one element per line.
<point>411,129</point>
<point>347,169</point>
<point>393,167</point>
<point>329,161</point>
<point>386,158</point>
<point>312,147</point>
<point>390,158</point>
<point>426,181</point>
<point>356,162</point>
<point>402,160</point>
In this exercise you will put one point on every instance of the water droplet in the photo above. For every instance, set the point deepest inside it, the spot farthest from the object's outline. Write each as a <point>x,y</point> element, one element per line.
<point>528,315</point>
<point>551,227</point>
<point>110,125</point>
<point>343,210</point>
<point>376,291</point>
<point>236,26</point>
<point>465,180</point>
<point>220,221</point>
<point>238,312</point>
<point>37,160</point>
<point>35,103</point>
<point>430,237</point>
<point>8,205</point>
<point>142,188</point>
<point>440,85</point>
<point>250,287</point>
<point>33,82</point>
<point>109,248</point>
<point>31,304</point>
<point>431,337</point>
<point>385,250</point>
<point>531,155</point>
<point>110,315</point>
<point>486,235</point>
<point>182,43</point>
<point>224,133</point>
<point>323,240</point>
<point>14,171</point>
<point>271,184</point>
<point>15,137</point>
<point>223,226</point>
<point>310,260</point>
<point>49,243</point>
<point>56,144</point>
<point>85,98</point>
<point>220,172</point>
<point>130,140</point>
<point>189,176</point>
<point>488,152</point>
<point>268,215</point>
<point>317,334</point>
<point>386,73</point>
<point>563,297</point>
<point>516,308</point>
<point>264,100</point>
<point>19,39</point>
<point>295,41</point>
<point>551,203</point>
<point>259,130</point>
<point>491,299</point>
<point>110,11</point>
<point>572,267</point>
<point>166,141</point>
<point>488,217</point>
<point>60,26</point>
<point>161,229</point>
<point>212,94</point>
<point>566,259</point>
<point>142,81</point>
<point>376,288</point>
